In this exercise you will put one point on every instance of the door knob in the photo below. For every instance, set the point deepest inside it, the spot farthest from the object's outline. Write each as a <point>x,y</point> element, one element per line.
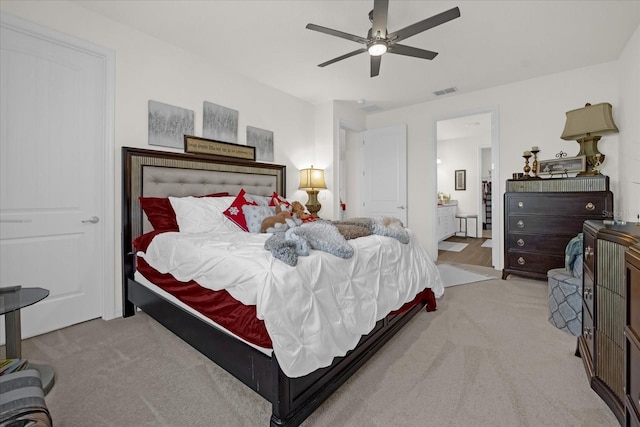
<point>92,220</point>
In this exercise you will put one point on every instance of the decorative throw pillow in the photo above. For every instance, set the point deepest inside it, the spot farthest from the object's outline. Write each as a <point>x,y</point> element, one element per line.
<point>254,215</point>
<point>201,214</point>
<point>258,200</point>
<point>235,213</point>
<point>277,200</point>
<point>160,212</point>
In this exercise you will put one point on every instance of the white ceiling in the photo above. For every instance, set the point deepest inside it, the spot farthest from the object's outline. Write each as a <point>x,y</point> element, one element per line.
<point>464,127</point>
<point>492,43</point>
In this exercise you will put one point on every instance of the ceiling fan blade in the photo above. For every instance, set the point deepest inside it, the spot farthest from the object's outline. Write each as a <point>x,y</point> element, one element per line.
<point>337,33</point>
<point>400,49</point>
<point>340,58</point>
<point>375,65</point>
<point>425,24</point>
<point>380,9</point>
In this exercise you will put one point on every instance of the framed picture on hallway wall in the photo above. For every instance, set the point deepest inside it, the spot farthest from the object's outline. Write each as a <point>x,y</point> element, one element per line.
<point>461,179</point>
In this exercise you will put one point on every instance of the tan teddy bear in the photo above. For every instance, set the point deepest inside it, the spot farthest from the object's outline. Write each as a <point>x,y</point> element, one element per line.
<point>279,218</point>
<point>298,209</point>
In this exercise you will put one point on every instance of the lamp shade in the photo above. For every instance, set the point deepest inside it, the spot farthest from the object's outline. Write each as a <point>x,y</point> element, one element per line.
<point>591,120</point>
<point>312,179</point>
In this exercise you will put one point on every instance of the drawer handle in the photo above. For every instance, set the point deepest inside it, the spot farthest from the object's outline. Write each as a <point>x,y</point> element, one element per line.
<point>590,206</point>
<point>520,242</point>
<point>588,252</point>
<point>521,261</point>
<point>520,204</point>
<point>588,293</point>
<point>520,224</point>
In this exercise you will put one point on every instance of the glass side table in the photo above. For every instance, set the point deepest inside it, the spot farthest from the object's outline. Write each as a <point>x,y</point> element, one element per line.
<point>12,300</point>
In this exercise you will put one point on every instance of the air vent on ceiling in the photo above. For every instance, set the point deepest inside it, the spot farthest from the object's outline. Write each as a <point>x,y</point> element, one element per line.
<point>445,91</point>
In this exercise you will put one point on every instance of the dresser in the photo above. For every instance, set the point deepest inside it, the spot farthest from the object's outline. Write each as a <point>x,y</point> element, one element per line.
<point>605,311</point>
<point>542,215</point>
<point>447,220</point>
<point>632,337</point>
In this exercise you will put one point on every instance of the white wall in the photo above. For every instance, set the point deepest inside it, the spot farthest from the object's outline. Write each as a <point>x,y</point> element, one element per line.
<point>149,69</point>
<point>532,112</point>
<point>627,205</point>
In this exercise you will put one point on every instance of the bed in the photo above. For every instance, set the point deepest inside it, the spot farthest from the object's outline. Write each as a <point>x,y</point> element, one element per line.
<point>159,174</point>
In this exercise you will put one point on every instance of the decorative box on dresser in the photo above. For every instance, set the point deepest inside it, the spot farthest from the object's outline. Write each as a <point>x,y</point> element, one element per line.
<point>605,310</point>
<point>632,337</point>
<point>542,215</point>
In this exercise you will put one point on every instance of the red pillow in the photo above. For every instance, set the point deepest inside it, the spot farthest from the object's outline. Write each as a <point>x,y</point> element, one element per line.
<point>234,212</point>
<point>277,200</point>
<point>160,212</point>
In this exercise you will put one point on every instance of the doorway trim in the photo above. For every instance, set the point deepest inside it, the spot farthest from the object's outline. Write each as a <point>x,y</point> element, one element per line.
<point>342,127</point>
<point>109,306</point>
<point>494,111</point>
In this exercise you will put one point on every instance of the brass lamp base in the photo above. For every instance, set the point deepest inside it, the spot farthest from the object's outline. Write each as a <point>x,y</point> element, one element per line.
<point>594,159</point>
<point>313,205</point>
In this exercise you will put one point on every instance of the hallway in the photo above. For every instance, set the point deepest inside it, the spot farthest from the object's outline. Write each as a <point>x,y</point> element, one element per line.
<point>473,254</point>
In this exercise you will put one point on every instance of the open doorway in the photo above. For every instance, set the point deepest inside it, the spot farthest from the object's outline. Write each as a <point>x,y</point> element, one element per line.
<point>348,166</point>
<point>466,168</point>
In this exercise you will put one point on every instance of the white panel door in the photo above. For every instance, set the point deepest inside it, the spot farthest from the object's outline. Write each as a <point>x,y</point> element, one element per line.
<point>384,176</point>
<point>52,203</point>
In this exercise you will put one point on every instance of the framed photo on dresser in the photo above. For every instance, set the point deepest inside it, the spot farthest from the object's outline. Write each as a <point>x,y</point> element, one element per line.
<point>563,165</point>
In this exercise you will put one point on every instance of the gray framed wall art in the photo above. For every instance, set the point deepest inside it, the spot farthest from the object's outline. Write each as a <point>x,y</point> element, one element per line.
<point>263,141</point>
<point>219,123</point>
<point>168,124</point>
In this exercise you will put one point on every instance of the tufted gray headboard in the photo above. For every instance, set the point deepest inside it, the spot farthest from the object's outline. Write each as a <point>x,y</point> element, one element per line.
<point>153,173</point>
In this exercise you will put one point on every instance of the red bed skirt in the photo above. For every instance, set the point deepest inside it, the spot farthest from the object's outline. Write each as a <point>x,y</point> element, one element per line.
<point>223,309</point>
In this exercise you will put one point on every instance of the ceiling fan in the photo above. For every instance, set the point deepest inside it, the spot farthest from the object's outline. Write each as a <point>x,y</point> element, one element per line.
<point>379,41</point>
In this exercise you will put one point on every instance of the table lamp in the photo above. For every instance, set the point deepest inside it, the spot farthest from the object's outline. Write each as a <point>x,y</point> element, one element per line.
<point>586,126</point>
<point>312,180</point>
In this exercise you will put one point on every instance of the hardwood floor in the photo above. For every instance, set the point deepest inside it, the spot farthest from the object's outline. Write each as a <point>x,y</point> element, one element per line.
<point>473,254</point>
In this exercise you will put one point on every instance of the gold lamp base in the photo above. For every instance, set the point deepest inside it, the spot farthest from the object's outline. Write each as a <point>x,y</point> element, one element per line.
<point>313,205</point>
<point>594,159</point>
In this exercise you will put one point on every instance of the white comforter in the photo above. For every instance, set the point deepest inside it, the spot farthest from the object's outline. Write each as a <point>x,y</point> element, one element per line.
<point>315,311</point>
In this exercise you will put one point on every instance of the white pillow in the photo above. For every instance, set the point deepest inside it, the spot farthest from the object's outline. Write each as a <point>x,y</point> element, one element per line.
<point>254,215</point>
<point>202,214</point>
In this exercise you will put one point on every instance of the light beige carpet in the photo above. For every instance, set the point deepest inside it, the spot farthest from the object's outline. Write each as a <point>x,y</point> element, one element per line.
<point>487,357</point>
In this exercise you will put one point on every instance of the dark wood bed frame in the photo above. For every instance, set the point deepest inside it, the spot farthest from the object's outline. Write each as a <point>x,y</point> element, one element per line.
<point>292,399</point>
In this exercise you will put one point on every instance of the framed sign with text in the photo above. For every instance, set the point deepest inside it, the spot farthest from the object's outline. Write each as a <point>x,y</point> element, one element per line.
<point>197,145</point>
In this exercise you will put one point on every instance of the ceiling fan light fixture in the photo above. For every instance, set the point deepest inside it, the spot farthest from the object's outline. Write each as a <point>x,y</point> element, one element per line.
<point>377,49</point>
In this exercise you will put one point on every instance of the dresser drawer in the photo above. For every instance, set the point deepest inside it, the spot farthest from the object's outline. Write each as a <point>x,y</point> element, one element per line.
<point>587,330</point>
<point>633,298</point>
<point>596,204</point>
<point>589,245</point>
<point>533,262</point>
<point>537,243</point>
<point>563,225</point>
<point>588,291</point>
<point>633,375</point>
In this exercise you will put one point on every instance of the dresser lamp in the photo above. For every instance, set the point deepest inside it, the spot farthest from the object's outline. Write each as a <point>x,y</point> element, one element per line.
<point>311,181</point>
<point>586,126</point>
